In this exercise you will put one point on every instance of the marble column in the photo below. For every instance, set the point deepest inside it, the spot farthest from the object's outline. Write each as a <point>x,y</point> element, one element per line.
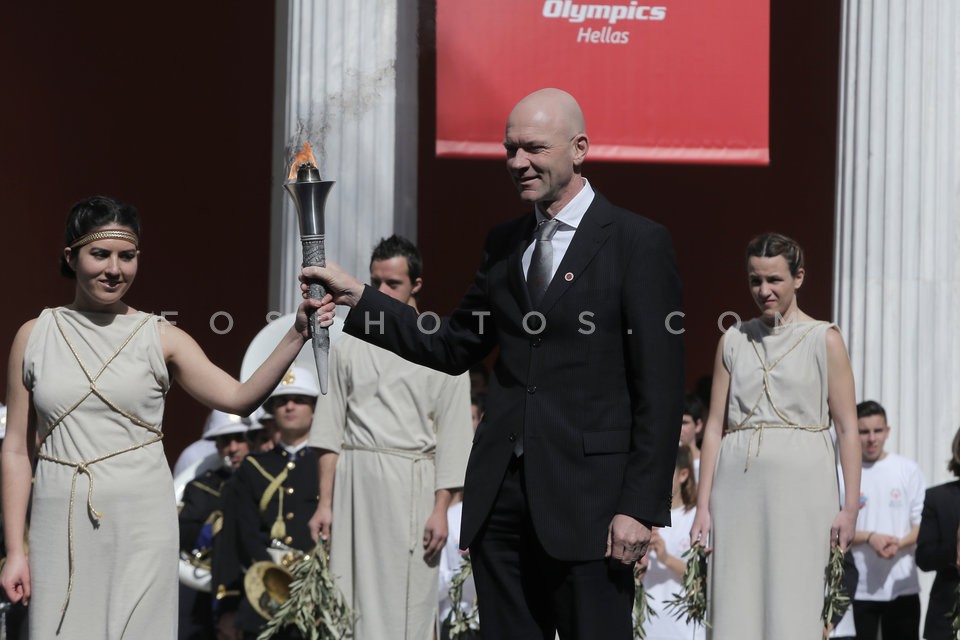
<point>346,81</point>
<point>897,254</point>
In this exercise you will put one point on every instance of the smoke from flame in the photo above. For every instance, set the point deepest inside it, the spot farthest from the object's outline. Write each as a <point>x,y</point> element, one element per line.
<point>303,156</point>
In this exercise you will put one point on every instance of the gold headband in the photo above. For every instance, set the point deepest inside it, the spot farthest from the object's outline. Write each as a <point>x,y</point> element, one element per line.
<point>104,234</point>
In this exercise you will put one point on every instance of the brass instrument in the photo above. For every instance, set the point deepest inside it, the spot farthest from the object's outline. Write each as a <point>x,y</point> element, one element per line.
<point>194,567</point>
<point>267,582</point>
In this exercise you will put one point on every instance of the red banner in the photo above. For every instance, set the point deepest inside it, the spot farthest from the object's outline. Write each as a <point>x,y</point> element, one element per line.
<point>678,81</point>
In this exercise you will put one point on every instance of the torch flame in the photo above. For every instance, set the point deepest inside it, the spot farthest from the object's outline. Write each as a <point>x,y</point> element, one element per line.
<point>304,156</point>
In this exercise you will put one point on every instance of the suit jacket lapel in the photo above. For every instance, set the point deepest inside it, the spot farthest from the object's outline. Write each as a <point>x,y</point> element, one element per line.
<point>591,234</point>
<point>518,283</point>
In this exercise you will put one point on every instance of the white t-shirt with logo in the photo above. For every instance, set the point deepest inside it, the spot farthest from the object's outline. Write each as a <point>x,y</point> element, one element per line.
<point>891,502</point>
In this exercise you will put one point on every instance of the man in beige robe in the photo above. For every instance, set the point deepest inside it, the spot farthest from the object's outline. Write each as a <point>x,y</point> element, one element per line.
<point>394,438</point>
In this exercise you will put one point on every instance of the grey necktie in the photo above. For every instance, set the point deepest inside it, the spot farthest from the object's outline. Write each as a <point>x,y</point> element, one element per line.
<point>541,262</point>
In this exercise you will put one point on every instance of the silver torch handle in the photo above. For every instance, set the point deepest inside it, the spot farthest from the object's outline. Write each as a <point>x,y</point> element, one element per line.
<point>314,255</point>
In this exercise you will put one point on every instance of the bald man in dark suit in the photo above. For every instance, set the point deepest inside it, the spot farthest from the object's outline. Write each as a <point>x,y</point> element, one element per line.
<point>572,464</point>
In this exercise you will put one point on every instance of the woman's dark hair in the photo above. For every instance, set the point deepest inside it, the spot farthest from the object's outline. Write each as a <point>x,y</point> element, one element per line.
<point>93,213</point>
<point>770,245</point>
<point>688,489</point>
<point>954,465</point>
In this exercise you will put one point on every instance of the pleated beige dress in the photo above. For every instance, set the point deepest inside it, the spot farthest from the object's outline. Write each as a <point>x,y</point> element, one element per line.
<point>775,491</point>
<point>103,530</point>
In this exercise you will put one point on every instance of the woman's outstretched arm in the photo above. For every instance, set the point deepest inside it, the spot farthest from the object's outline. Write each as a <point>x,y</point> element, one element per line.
<point>17,471</point>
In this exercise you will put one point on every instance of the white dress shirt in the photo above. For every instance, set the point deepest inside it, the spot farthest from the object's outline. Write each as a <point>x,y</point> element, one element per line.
<point>569,217</point>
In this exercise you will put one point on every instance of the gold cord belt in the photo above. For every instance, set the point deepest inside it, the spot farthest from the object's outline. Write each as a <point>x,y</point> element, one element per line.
<point>758,434</point>
<point>416,457</point>
<point>78,468</point>
<point>83,467</point>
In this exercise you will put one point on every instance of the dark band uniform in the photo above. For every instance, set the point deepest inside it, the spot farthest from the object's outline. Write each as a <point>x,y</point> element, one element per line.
<point>272,495</point>
<point>199,506</point>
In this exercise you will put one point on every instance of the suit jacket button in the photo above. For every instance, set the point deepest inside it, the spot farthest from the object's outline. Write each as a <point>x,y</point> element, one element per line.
<point>532,388</point>
<point>513,437</point>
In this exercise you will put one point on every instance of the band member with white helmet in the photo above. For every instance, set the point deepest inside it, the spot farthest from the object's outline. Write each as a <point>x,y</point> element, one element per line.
<point>267,503</point>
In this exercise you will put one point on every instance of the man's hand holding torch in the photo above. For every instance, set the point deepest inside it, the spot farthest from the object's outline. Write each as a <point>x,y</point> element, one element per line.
<point>341,287</point>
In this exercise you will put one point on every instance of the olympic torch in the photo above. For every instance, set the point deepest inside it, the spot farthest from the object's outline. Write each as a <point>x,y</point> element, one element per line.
<point>309,194</point>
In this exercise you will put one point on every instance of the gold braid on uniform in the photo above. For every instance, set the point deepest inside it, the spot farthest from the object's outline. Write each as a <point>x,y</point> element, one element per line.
<point>279,528</point>
<point>83,466</point>
<point>215,520</point>
<point>203,487</point>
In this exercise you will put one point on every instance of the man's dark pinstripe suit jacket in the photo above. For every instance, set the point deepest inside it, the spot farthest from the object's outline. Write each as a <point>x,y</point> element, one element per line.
<point>592,380</point>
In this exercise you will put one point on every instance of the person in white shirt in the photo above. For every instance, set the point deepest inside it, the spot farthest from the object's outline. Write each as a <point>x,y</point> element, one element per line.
<point>664,565</point>
<point>892,491</point>
<point>451,558</point>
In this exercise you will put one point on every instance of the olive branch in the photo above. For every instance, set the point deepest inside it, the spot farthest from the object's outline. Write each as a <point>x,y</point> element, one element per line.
<point>462,622</point>
<point>835,601</point>
<point>642,611</point>
<point>316,606</point>
<point>691,602</point>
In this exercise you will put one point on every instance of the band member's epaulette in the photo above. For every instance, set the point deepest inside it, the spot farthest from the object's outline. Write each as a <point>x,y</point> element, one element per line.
<point>203,487</point>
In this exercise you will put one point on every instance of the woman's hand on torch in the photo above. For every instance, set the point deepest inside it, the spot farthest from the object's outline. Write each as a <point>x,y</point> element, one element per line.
<point>342,288</point>
<point>324,310</point>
